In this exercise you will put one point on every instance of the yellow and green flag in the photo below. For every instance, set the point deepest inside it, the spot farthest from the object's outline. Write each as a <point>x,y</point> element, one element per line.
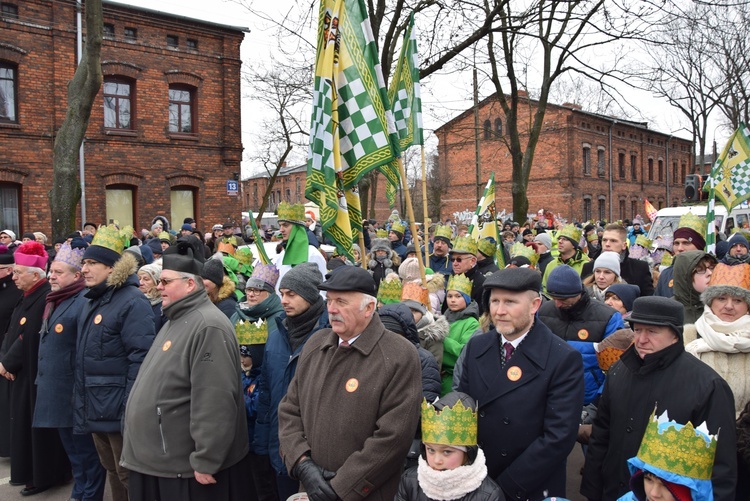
<point>352,130</point>
<point>484,221</point>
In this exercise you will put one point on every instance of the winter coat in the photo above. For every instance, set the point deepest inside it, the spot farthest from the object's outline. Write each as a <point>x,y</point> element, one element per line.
<point>665,285</point>
<point>249,391</point>
<point>583,324</point>
<point>226,299</point>
<point>441,265</point>
<point>399,248</point>
<point>369,395</point>
<point>487,266</point>
<point>462,325</point>
<point>684,264</point>
<point>529,409</point>
<point>576,262</point>
<point>544,260</point>
<point>115,331</point>
<point>279,366</point>
<point>432,331</point>
<point>9,297</point>
<point>409,490</point>
<point>672,380</point>
<point>632,271</point>
<point>379,269</point>
<point>436,288</point>
<point>186,411</point>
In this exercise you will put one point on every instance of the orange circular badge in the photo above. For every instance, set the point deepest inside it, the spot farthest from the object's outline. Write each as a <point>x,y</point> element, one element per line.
<point>167,345</point>
<point>671,283</point>
<point>59,328</point>
<point>583,334</point>
<point>23,321</point>
<point>352,385</point>
<point>98,319</point>
<point>514,373</point>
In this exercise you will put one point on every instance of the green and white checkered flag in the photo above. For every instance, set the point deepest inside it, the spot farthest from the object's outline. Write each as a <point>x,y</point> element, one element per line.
<point>352,129</point>
<point>406,103</point>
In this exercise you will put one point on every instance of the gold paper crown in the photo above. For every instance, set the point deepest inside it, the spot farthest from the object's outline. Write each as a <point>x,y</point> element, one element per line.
<point>693,222</point>
<point>487,247</point>
<point>643,241</point>
<point>464,245</point>
<point>678,449</point>
<point>571,232</point>
<point>455,425</point>
<point>459,283</point>
<point>444,231</point>
<point>165,237</point>
<point>381,233</point>
<point>113,238</point>
<point>415,292</point>
<point>251,332</point>
<point>519,249</point>
<point>292,213</point>
<point>666,259</point>
<point>397,226</point>
<point>389,291</point>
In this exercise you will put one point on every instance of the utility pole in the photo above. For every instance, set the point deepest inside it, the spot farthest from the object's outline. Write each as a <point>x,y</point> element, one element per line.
<point>476,136</point>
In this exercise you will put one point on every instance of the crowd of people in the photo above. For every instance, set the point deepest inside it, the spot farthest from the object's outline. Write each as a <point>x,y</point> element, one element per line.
<point>179,365</point>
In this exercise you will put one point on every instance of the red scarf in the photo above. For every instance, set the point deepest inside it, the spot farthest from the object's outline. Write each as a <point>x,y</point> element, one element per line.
<point>57,297</point>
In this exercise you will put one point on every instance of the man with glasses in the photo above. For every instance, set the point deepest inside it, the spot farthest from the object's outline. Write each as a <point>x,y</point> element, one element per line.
<point>115,331</point>
<point>185,432</point>
<point>463,258</point>
<point>8,239</point>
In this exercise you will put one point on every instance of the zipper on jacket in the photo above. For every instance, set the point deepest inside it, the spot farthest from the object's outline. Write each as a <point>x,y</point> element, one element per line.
<point>161,432</point>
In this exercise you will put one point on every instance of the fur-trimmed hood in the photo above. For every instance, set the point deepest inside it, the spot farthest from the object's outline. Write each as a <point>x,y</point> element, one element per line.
<point>436,283</point>
<point>123,268</point>
<point>226,289</point>
<point>433,329</point>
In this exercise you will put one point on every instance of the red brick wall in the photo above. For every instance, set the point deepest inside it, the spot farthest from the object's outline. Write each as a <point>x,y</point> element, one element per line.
<point>149,159</point>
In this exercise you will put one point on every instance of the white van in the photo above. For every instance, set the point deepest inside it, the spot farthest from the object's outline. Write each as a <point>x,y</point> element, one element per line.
<point>668,218</point>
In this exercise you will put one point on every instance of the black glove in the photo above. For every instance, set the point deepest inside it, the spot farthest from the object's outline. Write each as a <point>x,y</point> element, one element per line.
<point>316,480</point>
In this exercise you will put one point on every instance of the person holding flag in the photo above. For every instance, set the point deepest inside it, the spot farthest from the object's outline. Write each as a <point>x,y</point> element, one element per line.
<point>484,224</point>
<point>296,246</point>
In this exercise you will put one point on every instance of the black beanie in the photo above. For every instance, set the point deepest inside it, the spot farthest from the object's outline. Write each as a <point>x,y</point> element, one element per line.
<point>213,270</point>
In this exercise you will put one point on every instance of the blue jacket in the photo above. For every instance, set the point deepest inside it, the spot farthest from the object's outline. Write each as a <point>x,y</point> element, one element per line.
<point>249,387</point>
<point>279,366</point>
<point>115,331</point>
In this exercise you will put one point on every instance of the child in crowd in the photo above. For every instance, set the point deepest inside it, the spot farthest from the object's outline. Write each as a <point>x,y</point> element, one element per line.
<point>621,298</point>
<point>463,317</point>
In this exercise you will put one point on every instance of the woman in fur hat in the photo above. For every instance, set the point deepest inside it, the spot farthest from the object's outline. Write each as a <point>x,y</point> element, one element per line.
<point>382,259</point>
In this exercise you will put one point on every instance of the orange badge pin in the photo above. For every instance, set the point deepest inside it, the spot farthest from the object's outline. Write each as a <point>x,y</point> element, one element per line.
<point>98,319</point>
<point>23,321</point>
<point>59,328</point>
<point>352,385</point>
<point>583,334</point>
<point>514,373</point>
<point>167,345</point>
<point>671,283</point>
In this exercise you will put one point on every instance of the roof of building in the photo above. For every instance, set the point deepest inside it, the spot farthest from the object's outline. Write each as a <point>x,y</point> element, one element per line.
<point>111,3</point>
<point>285,171</point>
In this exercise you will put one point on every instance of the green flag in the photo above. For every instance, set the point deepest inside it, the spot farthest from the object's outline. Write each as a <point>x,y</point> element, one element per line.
<point>484,220</point>
<point>352,130</point>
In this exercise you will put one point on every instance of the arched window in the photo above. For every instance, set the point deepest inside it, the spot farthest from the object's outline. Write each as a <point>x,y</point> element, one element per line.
<point>487,129</point>
<point>498,127</point>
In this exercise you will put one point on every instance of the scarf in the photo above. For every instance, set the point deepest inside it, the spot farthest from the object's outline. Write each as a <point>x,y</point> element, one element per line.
<point>733,260</point>
<point>717,335</point>
<point>264,309</point>
<point>56,297</point>
<point>300,327</point>
<point>451,484</point>
<point>599,293</point>
<point>296,247</point>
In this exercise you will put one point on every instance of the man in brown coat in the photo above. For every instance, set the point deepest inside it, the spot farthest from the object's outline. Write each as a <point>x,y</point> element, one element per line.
<point>351,411</point>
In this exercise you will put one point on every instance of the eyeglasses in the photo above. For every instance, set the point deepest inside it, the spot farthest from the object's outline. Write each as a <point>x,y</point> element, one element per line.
<point>703,271</point>
<point>166,281</point>
<point>460,259</point>
<point>254,292</point>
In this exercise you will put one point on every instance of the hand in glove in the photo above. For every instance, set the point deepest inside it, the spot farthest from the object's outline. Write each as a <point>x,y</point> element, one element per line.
<point>315,479</point>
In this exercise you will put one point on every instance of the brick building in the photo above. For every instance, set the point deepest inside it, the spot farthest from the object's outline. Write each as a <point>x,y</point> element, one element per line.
<point>586,165</point>
<point>164,134</point>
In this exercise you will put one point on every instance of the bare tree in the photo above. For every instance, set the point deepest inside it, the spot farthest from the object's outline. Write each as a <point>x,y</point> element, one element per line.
<point>82,90</point>
<point>732,42</point>
<point>438,180</point>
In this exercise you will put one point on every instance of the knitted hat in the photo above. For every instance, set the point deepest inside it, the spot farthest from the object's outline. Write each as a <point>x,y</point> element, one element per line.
<point>487,246</point>
<point>464,245</point>
<point>152,270</point>
<point>136,252</point>
<point>213,270</point>
<point>186,255</point>
<point>564,282</point>
<point>409,270</point>
<point>6,256</point>
<point>693,229</point>
<point>264,277</point>
<point>147,254</point>
<point>32,254</point>
<point>571,232</point>
<point>660,311</point>
<point>304,280</point>
<point>609,261</point>
<point>389,290</point>
<point>155,246</point>
<point>726,279</point>
<point>108,244</point>
<point>627,293</point>
<point>187,227</point>
<point>294,214</point>
<point>738,239</point>
<point>10,233</point>
<point>28,235</point>
<point>544,239</point>
<point>380,244</point>
<point>164,237</point>
<point>72,253</point>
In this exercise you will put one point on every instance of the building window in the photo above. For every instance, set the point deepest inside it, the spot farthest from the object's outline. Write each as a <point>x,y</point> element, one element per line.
<point>10,215</point>
<point>173,41</point>
<point>600,162</point>
<point>109,30</point>
<point>633,209</point>
<point>183,203</point>
<point>487,129</point>
<point>131,33</point>
<point>586,161</point>
<point>660,164</point>
<point>683,171</point>
<point>8,86</point>
<point>9,10</point>
<point>675,174</point>
<point>586,208</point>
<point>299,191</point>
<point>602,206</point>
<point>181,104</point>
<point>118,104</point>
<point>650,169</point>
<point>192,44</point>
<point>498,127</point>
<point>120,204</point>
<point>634,167</point>
<point>661,204</point>
<point>621,165</point>
<point>255,196</point>
<point>288,195</point>
<point>622,210</point>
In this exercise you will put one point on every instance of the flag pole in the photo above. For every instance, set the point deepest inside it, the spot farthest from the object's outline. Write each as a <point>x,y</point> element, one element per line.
<point>410,214</point>
<point>426,223</point>
<point>362,249</point>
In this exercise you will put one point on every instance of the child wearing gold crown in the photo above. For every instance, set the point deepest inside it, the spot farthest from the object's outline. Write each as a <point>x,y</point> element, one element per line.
<point>463,318</point>
<point>451,464</point>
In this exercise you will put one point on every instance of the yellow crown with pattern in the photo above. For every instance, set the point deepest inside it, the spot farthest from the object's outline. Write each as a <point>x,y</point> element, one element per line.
<point>666,259</point>
<point>571,232</point>
<point>487,246</point>
<point>693,222</point>
<point>519,249</point>
<point>251,332</point>
<point>113,238</point>
<point>444,230</point>
<point>292,213</point>
<point>455,425</point>
<point>464,245</point>
<point>389,291</point>
<point>398,227</point>
<point>460,283</point>
<point>683,450</point>
<point>415,292</point>
<point>643,241</point>
<point>381,233</point>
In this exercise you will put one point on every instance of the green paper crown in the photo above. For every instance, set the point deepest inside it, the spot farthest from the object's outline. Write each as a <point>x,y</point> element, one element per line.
<point>459,283</point>
<point>113,238</point>
<point>455,425</point>
<point>571,232</point>
<point>251,332</point>
<point>444,231</point>
<point>643,241</point>
<point>464,245</point>
<point>292,213</point>
<point>381,233</point>
<point>389,291</point>
<point>398,226</point>
<point>519,249</point>
<point>693,222</point>
<point>487,247</point>
<point>666,259</point>
<point>680,450</point>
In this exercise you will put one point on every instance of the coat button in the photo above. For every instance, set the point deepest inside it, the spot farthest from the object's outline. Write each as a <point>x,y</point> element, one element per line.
<point>506,421</point>
<point>629,429</point>
<point>503,453</point>
<point>481,413</point>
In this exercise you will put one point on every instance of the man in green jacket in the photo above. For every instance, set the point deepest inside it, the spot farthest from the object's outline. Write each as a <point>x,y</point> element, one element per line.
<point>569,252</point>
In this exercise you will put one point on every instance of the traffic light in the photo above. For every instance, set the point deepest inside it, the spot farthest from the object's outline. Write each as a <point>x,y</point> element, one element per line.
<point>693,187</point>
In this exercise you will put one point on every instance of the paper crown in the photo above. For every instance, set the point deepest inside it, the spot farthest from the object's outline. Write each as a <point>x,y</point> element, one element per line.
<point>731,276</point>
<point>292,213</point>
<point>245,256</point>
<point>519,249</point>
<point>571,232</point>
<point>398,226</point>
<point>608,356</point>
<point>487,247</point>
<point>643,241</point>
<point>415,292</point>
<point>682,450</point>
<point>460,283</point>
<point>381,233</point>
<point>70,256</point>
<point>592,237</point>
<point>389,291</point>
<point>226,247</point>
<point>251,332</point>
<point>444,231</point>
<point>464,245</point>
<point>666,259</point>
<point>113,238</point>
<point>696,223</point>
<point>455,425</point>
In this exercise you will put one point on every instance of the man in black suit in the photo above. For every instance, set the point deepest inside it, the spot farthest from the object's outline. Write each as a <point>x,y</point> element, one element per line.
<point>529,385</point>
<point>633,271</point>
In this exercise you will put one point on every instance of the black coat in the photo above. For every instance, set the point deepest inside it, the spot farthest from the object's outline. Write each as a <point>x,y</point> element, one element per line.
<point>9,297</point>
<point>671,380</point>
<point>527,427</point>
<point>633,271</point>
